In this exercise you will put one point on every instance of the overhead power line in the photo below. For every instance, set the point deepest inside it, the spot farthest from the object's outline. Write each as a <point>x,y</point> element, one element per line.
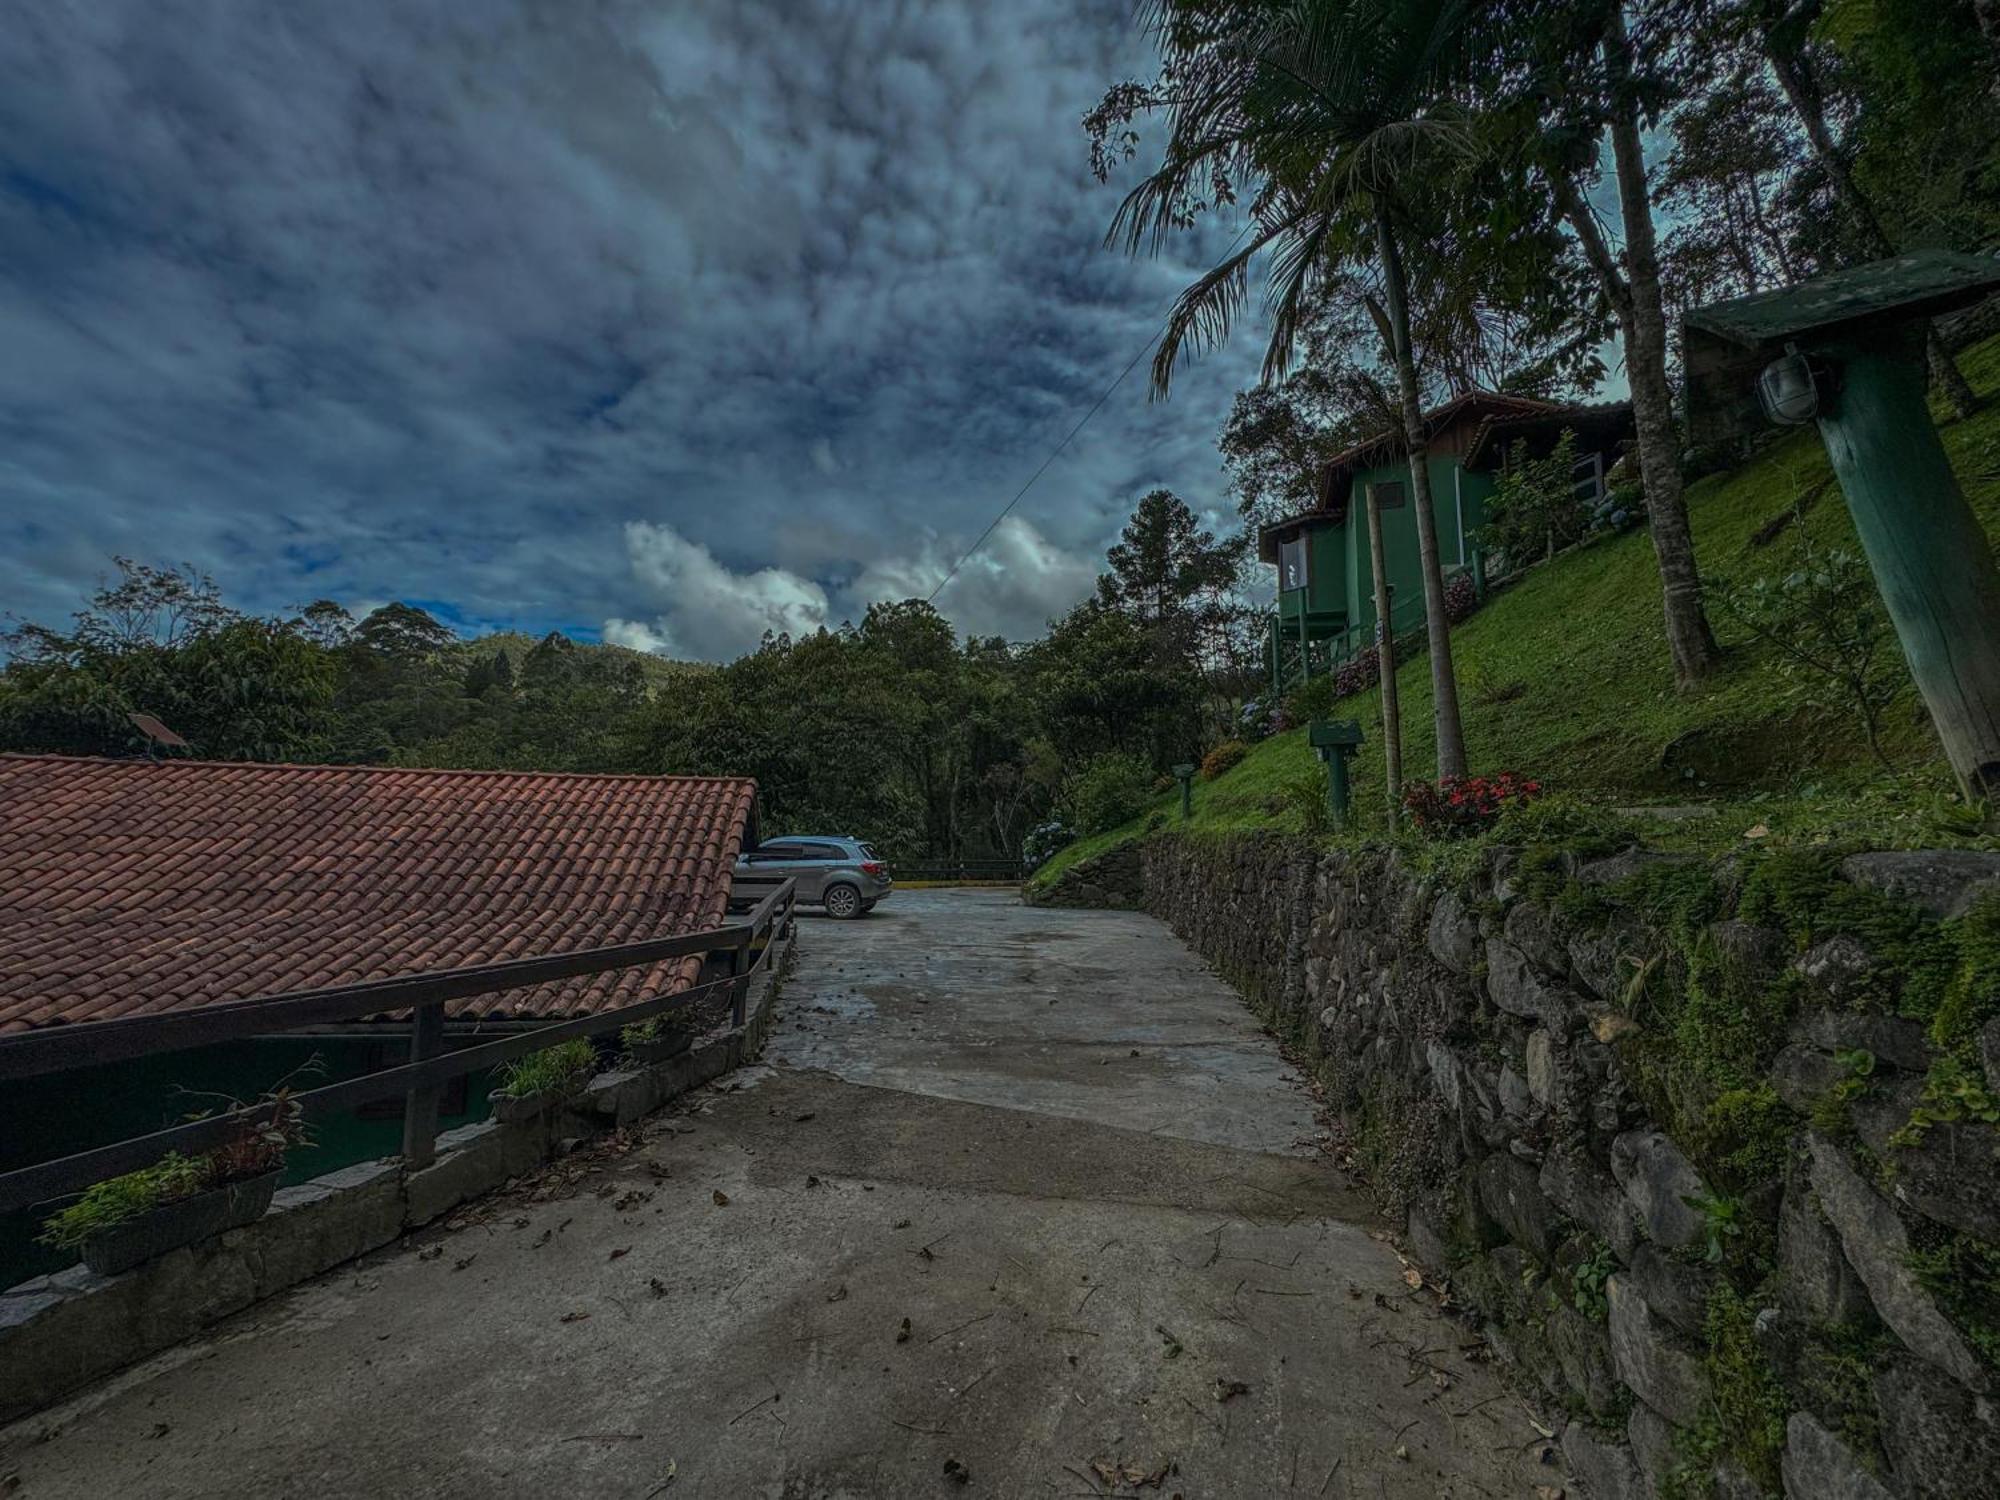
<point>1068,437</point>
<point>1054,453</point>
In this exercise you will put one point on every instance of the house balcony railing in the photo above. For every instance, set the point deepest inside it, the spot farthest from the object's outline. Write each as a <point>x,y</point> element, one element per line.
<point>1291,661</point>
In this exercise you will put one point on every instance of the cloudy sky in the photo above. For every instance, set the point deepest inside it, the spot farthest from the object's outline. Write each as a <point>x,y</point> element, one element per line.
<point>665,321</point>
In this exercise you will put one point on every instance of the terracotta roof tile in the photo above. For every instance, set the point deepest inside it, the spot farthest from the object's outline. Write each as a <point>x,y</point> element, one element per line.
<point>129,887</point>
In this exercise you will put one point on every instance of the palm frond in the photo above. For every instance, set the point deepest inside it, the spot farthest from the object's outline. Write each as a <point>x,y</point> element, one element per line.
<point>1204,313</point>
<point>1325,108</point>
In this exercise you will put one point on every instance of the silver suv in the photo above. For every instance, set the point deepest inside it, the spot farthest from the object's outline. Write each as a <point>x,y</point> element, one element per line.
<point>843,875</point>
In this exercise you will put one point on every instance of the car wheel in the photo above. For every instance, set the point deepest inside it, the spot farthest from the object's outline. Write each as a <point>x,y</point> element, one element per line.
<point>842,901</point>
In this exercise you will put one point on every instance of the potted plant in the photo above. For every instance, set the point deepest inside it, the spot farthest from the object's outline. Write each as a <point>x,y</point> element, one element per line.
<point>531,1085</point>
<point>657,1038</point>
<point>179,1200</point>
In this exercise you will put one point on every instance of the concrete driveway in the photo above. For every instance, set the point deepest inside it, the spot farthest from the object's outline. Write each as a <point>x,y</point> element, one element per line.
<point>1022,1204</point>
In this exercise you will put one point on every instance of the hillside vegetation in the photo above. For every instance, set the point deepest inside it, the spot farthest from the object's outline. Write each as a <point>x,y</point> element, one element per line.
<point>1565,677</point>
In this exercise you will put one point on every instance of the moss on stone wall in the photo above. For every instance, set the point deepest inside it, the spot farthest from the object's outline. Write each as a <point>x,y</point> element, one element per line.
<point>1509,1031</point>
<point>1745,1423</point>
<point>1963,1272</point>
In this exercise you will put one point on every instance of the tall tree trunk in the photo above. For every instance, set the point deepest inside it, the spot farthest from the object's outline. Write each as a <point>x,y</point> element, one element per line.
<point>1988,14</point>
<point>1870,236</point>
<point>1643,324</point>
<point>1444,681</point>
<point>1385,662</point>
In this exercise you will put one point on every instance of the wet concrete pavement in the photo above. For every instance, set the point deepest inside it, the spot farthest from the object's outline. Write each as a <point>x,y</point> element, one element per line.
<point>953,1221</point>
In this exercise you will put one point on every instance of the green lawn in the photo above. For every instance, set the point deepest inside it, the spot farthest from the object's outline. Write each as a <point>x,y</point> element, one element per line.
<point>1565,677</point>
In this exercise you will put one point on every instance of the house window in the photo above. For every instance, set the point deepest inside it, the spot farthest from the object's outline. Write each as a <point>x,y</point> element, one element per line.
<point>1292,563</point>
<point>1389,494</point>
<point>1588,476</point>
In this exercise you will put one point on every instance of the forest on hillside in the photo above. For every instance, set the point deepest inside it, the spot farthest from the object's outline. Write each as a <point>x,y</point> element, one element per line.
<point>894,728</point>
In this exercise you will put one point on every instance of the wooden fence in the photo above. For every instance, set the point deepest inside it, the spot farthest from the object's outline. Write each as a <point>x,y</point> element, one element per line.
<point>762,912</point>
<point>962,869</point>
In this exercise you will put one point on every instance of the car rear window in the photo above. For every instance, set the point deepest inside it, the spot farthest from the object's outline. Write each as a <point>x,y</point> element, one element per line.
<point>868,851</point>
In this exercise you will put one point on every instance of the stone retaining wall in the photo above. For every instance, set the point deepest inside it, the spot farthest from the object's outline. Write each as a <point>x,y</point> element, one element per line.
<point>1479,1047</point>
<point>60,1332</point>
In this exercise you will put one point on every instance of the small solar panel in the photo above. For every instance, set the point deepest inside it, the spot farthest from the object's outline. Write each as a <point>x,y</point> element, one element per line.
<point>157,732</point>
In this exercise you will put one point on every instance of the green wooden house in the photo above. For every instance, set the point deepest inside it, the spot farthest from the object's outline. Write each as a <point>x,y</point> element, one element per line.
<point>1326,583</point>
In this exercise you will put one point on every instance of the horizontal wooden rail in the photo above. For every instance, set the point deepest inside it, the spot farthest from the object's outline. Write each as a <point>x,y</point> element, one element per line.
<point>417,1080</point>
<point>58,1048</point>
<point>962,869</point>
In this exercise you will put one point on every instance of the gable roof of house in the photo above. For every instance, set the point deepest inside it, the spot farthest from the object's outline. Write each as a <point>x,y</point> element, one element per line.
<point>1595,424</point>
<point>130,887</point>
<point>1500,418</point>
<point>1389,444</point>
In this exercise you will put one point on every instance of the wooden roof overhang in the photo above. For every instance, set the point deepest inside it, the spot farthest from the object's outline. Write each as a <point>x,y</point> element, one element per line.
<point>1597,427</point>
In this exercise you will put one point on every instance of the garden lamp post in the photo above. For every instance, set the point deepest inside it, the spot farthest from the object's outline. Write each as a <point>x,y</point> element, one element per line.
<point>1846,350</point>
<point>1335,741</point>
<point>1184,774</point>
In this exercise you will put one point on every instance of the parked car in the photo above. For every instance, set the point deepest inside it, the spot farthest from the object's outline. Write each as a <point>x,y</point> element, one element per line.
<point>843,875</point>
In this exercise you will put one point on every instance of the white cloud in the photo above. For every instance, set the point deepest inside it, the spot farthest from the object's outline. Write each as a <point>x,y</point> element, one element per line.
<point>1012,586</point>
<point>708,612</point>
<point>639,636</point>
<point>392,301</point>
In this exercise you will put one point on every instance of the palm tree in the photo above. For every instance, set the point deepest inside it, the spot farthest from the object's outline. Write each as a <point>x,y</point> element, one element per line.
<point>1330,111</point>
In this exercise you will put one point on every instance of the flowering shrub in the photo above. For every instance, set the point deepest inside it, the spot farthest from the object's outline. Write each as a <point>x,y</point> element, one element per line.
<point>1460,598</point>
<point>1259,720</point>
<point>1043,840</point>
<point>1222,758</point>
<point>1358,673</point>
<point>1462,805</point>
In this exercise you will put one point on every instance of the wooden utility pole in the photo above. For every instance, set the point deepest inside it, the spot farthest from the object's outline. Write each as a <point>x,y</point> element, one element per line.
<point>1847,351</point>
<point>1931,557</point>
<point>1385,663</point>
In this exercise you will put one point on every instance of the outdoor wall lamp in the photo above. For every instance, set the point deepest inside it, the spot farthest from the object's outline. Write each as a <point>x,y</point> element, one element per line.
<point>1790,388</point>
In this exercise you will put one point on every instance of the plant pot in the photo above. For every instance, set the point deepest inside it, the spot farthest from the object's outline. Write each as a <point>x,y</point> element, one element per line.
<point>182,1222</point>
<point>662,1047</point>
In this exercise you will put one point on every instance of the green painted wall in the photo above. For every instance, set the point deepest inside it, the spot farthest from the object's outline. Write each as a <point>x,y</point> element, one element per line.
<point>42,1118</point>
<point>1452,490</point>
<point>1325,592</point>
<point>1339,596</point>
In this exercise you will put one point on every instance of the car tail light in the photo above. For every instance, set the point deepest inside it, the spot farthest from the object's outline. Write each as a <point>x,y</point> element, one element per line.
<point>874,867</point>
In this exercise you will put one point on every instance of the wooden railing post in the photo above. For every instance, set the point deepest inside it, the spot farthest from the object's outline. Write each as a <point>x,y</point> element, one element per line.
<point>739,984</point>
<point>420,1105</point>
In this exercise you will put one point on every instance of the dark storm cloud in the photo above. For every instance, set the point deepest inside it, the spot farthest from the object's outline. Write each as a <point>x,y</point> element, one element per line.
<point>674,320</point>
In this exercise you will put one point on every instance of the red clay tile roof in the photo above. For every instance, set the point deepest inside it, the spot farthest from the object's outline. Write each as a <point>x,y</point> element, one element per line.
<point>128,886</point>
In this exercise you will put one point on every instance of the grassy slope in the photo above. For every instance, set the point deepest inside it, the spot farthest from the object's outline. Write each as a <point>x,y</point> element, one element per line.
<point>1565,677</point>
